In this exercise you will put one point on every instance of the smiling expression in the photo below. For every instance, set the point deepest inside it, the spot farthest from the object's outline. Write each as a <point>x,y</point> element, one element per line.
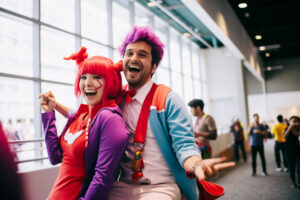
<point>137,65</point>
<point>91,87</point>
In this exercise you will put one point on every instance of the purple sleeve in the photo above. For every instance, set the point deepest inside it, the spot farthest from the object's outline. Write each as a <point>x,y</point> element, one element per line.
<point>53,148</point>
<point>112,145</point>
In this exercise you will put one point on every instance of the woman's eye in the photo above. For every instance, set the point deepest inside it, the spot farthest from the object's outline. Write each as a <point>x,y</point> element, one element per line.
<point>83,77</point>
<point>97,77</point>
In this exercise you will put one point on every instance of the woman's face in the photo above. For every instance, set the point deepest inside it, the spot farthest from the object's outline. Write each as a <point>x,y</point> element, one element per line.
<point>91,87</point>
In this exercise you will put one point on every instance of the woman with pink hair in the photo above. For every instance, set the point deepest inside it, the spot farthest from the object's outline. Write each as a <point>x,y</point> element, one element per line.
<point>95,137</point>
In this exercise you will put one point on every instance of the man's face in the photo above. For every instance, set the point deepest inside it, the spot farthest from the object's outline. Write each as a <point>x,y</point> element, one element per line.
<point>137,64</point>
<point>194,111</point>
<point>256,118</point>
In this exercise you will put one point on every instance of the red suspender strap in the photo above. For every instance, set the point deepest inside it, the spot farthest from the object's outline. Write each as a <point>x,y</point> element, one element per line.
<point>139,138</point>
<point>141,127</point>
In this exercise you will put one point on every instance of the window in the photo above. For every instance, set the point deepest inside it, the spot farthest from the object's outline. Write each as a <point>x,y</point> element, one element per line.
<point>120,24</point>
<point>175,52</point>
<point>197,89</point>
<point>162,32</point>
<point>23,7</point>
<point>56,45</point>
<point>63,94</point>
<point>59,13</point>
<point>94,49</point>
<point>163,76</point>
<point>195,61</point>
<point>142,17</point>
<point>186,59</point>
<point>188,89</point>
<point>94,20</point>
<point>16,106</point>
<point>16,51</point>
<point>177,83</point>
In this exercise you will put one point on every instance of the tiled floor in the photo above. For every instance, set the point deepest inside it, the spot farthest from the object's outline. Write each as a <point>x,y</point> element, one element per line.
<point>240,185</point>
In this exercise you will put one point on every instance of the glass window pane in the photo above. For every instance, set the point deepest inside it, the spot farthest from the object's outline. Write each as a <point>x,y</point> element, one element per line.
<point>175,52</point>
<point>186,58</point>
<point>16,50</point>
<point>94,49</point>
<point>116,56</point>
<point>177,83</point>
<point>142,17</point>
<point>188,89</point>
<point>17,106</point>
<point>59,13</point>
<point>121,23</point>
<point>162,34</point>
<point>56,45</point>
<point>195,61</point>
<point>197,89</point>
<point>63,94</point>
<point>94,20</point>
<point>23,7</point>
<point>163,76</point>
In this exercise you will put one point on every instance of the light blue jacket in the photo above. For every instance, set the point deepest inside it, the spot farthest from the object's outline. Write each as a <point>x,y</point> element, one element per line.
<point>172,127</point>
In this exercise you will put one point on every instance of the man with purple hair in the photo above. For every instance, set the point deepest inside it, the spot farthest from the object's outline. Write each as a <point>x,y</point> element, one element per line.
<point>169,150</point>
<point>155,164</point>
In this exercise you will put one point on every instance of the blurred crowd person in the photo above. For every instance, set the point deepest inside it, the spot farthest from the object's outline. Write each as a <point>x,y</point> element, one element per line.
<point>10,181</point>
<point>204,128</point>
<point>278,131</point>
<point>238,135</point>
<point>257,133</point>
<point>292,149</point>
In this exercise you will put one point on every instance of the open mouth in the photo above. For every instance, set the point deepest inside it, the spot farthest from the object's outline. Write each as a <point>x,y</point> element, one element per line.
<point>90,93</point>
<point>134,69</point>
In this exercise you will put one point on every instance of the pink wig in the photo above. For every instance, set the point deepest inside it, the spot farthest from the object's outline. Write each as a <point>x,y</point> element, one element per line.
<point>102,67</point>
<point>146,35</point>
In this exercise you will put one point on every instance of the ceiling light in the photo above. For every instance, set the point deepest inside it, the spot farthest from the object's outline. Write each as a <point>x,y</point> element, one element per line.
<point>267,54</point>
<point>243,5</point>
<point>186,34</point>
<point>269,68</point>
<point>262,48</point>
<point>151,4</point>
<point>258,37</point>
<point>247,14</point>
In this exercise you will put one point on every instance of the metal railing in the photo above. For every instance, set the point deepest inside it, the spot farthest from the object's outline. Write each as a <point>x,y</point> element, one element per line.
<point>40,149</point>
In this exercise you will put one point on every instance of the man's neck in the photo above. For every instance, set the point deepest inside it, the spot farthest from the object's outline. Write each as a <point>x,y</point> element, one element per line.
<point>200,115</point>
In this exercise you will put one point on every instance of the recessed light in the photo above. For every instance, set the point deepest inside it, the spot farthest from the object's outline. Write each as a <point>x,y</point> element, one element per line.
<point>262,48</point>
<point>269,68</point>
<point>151,4</point>
<point>243,5</point>
<point>186,34</point>
<point>258,37</point>
<point>267,54</point>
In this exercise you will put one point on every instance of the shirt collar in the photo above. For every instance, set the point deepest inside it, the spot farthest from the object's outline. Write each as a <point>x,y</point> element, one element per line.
<point>142,92</point>
<point>83,108</point>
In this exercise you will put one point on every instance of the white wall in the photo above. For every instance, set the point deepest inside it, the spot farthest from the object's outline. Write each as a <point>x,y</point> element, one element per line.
<point>37,184</point>
<point>285,103</point>
<point>225,87</point>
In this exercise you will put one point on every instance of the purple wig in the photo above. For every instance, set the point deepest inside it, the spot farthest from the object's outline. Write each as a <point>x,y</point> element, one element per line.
<point>146,35</point>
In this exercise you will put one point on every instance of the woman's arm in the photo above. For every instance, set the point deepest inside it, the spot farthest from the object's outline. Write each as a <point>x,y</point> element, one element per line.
<point>51,139</point>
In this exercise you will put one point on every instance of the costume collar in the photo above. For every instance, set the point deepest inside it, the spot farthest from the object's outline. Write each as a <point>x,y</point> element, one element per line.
<point>142,92</point>
<point>83,108</point>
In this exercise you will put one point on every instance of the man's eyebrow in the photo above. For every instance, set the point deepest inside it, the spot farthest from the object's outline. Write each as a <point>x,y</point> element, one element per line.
<point>140,51</point>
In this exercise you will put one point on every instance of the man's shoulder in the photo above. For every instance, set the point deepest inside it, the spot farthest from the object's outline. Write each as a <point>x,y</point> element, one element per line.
<point>160,96</point>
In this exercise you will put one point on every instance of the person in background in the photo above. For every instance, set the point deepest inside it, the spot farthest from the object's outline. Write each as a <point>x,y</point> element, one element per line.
<point>257,133</point>
<point>204,128</point>
<point>292,149</point>
<point>94,139</point>
<point>161,148</point>
<point>278,130</point>
<point>10,183</point>
<point>238,135</point>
